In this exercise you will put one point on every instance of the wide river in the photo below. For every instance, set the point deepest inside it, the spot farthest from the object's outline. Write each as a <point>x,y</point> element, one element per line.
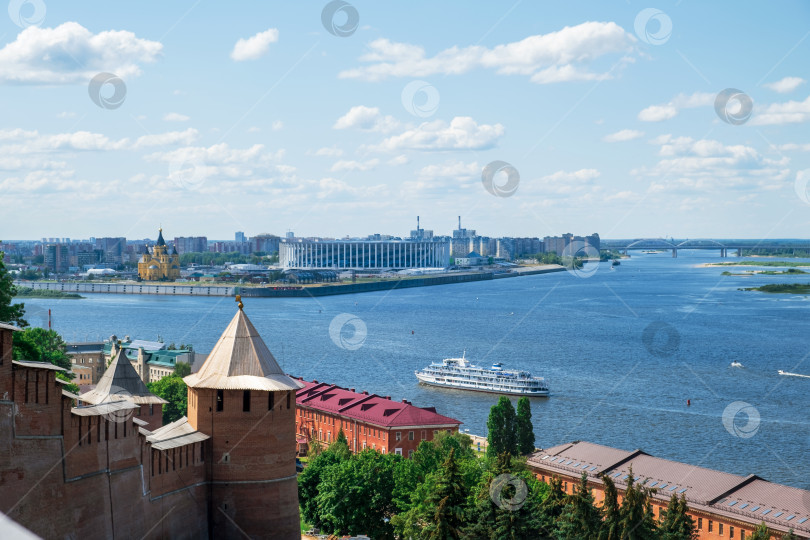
<point>610,384</point>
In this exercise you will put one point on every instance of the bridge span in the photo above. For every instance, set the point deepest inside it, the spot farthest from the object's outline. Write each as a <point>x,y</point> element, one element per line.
<point>723,246</point>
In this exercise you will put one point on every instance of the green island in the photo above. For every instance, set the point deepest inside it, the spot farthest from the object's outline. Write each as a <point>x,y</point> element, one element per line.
<point>789,271</point>
<point>789,288</point>
<point>28,292</point>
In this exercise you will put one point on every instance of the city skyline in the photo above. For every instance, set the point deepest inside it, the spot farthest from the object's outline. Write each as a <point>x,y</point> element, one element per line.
<point>284,120</point>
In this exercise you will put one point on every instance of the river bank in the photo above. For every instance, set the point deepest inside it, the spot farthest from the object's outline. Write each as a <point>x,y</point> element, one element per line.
<point>281,291</point>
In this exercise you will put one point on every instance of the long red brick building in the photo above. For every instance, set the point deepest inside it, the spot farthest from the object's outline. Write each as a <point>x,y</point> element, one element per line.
<point>102,465</point>
<point>367,420</point>
<point>723,505</point>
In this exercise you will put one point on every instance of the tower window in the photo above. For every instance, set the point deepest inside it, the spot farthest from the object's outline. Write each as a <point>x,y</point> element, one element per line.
<point>288,400</point>
<point>271,398</point>
<point>246,401</point>
<point>220,400</point>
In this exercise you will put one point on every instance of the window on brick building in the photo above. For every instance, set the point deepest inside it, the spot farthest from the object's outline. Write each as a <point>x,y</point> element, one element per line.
<point>424,435</point>
<point>711,526</point>
<point>742,534</point>
<point>288,400</point>
<point>700,524</point>
<point>246,401</point>
<point>399,435</point>
<point>270,400</point>
<point>398,451</point>
<point>410,435</point>
<point>410,454</point>
<point>220,400</point>
<point>720,529</point>
<point>730,531</point>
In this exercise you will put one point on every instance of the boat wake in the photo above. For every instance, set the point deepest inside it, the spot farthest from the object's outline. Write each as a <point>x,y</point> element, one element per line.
<point>793,374</point>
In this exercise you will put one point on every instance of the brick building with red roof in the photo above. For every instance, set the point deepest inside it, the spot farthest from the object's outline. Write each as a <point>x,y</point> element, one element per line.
<point>367,420</point>
<point>724,506</point>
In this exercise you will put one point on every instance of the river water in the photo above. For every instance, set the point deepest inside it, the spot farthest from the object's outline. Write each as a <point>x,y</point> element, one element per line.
<point>612,383</point>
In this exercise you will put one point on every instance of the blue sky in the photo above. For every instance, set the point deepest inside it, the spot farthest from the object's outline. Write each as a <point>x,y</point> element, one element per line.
<point>256,118</point>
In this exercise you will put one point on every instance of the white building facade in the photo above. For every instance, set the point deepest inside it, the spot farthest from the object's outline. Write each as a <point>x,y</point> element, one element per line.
<point>363,254</point>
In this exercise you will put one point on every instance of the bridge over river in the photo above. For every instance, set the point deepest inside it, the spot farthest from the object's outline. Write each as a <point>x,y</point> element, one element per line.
<point>673,245</point>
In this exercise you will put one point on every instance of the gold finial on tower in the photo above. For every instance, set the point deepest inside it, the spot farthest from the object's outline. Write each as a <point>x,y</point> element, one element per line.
<point>239,301</point>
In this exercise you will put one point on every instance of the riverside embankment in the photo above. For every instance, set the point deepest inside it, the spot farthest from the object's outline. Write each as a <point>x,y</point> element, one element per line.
<point>288,291</point>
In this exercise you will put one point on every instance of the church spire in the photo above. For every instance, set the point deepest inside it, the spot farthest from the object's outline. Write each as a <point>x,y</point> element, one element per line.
<point>160,240</point>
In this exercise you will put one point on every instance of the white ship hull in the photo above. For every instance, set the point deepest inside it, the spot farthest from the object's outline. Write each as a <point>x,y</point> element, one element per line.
<point>495,387</point>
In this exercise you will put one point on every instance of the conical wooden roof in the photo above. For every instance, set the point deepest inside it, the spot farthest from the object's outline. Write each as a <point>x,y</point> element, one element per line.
<point>241,361</point>
<point>120,383</point>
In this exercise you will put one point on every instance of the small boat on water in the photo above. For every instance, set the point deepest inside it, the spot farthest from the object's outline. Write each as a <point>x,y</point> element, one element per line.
<point>459,373</point>
<point>736,364</point>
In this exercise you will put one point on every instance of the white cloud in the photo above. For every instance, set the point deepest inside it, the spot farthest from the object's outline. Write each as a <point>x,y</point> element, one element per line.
<point>623,135</point>
<point>704,165</point>
<point>254,129</point>
<point>786,85</point>
<point>457,169</point>
<point>175,117</point>
<point>553,57</point>
<point>789,112</point>
<point>658,113</point>
<point>71,53</point>
<point>254,47</point>
<point>794,146</point>
<point>277,125</point>
<point>329,152</point>
<point>463,133</point>
<point>579,184</point>
<point>397,161</point>
<point>172,137</point>
<point>66,115</point>
<point>350,165</point>
<point>367,119</point>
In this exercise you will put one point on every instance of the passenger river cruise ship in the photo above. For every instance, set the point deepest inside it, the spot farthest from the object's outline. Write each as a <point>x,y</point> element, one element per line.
<point>460,373</point>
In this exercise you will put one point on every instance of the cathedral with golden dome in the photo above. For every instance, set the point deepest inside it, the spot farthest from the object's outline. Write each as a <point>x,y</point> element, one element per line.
<point>159,265</point>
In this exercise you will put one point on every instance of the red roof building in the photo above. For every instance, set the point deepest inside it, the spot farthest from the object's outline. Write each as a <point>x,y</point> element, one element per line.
<point>367,420</point>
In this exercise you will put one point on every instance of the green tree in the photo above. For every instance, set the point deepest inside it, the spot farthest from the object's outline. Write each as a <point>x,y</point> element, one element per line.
<point>355,496</point>
<point>580,518</point>
<point>9,313</point>
<point>447,502</point>
<point>501,436</point>
<point>173,389</point>
<point>507,503</point>
<point>523,427</point>
<point>181,369</point>
<point>636,516</point>
<point>677,524</point>
<point>789,536</point>
<point>310,479</point>
<point>611,524</point>
<point>40,345</point>
<point>552,507</point>
<point>761,533</point>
